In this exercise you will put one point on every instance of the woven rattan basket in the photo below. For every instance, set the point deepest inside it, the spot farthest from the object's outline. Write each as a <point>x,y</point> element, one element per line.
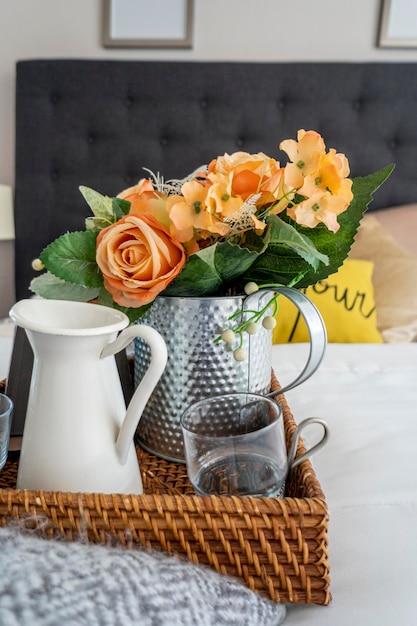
<point>277,547</point>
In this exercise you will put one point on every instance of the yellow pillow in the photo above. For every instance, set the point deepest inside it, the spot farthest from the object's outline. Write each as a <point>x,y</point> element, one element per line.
<point>346,302</point>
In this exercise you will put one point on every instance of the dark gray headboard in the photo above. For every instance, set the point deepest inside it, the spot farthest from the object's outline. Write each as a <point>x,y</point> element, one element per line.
<point>98,123</point>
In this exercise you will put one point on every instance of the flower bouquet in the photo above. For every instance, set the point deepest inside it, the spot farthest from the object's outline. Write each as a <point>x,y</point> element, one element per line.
<point>241,219</point>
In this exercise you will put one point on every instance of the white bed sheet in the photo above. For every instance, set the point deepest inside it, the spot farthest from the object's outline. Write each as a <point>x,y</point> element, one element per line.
<point>368,396</point>
<point>6,345</point>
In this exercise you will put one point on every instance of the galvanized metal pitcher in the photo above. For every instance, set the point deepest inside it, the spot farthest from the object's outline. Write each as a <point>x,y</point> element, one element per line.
<point>198,367</point>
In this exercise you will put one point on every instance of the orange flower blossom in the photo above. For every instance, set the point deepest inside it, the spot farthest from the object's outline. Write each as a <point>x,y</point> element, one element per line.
<point>243,217</point>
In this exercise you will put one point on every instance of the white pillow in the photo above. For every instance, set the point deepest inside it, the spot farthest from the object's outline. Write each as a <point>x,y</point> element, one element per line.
<point>401,223</point>
<point>394,277</point>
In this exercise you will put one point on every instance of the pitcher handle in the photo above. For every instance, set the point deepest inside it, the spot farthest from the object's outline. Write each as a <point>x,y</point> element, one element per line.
<point>316,330</point>
<point>158,361</point>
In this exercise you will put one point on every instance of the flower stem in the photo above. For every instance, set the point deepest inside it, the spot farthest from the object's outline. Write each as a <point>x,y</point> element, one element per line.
<point>254,315</point>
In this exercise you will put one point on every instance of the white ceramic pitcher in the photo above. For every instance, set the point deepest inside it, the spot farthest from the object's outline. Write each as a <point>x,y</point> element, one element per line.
<point>78,435</point>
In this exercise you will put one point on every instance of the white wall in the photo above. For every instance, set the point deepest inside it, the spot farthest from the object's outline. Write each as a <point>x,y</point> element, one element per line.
<point>265,30</point>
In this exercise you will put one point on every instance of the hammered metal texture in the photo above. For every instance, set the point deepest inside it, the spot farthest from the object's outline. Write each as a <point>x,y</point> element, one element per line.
<point>197,367</point>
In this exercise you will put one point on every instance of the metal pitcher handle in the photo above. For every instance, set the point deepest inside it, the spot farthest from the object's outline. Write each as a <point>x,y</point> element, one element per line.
<point>316,330</point>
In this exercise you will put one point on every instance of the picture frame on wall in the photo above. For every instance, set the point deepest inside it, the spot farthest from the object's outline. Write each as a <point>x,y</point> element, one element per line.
<point>398,24</point>
<point>148,23</point>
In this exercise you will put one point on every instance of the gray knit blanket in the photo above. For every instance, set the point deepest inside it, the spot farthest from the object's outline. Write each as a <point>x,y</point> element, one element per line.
<point>59,583</point>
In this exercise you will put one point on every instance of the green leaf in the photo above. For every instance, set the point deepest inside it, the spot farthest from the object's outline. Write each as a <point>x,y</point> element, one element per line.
<point>231,260</point>
<point>100,205</point>
<point>72,257</point>
<point>208,269</point>
<point>51,287</point>
<point>276,264</point>
<point>256,242</point>
<point>96,224</point>
<point>120,207</point>
<point>106,210</point>
<point>134,315</point>
<point>285,234</point>
<point>198,277</point>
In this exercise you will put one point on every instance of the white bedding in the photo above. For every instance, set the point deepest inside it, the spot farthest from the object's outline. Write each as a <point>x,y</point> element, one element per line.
<point>368,395</point>
<point>6,346</point>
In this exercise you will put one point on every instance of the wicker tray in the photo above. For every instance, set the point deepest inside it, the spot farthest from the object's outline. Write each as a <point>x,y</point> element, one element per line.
<point>277,547</point>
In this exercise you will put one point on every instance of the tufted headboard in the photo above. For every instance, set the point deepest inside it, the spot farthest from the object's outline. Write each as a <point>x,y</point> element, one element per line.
<point>98,123</point>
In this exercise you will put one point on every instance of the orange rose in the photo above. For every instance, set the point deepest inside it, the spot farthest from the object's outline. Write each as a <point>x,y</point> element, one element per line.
<point>144,198</point>
<point>143,190</point>
<point>249,173</point>
<point>138,259</point>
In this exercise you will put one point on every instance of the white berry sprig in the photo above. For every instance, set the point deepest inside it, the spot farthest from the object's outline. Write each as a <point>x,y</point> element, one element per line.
<point>232,335</point>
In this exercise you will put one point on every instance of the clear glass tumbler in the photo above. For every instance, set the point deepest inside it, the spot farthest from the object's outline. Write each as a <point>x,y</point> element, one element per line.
<point>235,445</point>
